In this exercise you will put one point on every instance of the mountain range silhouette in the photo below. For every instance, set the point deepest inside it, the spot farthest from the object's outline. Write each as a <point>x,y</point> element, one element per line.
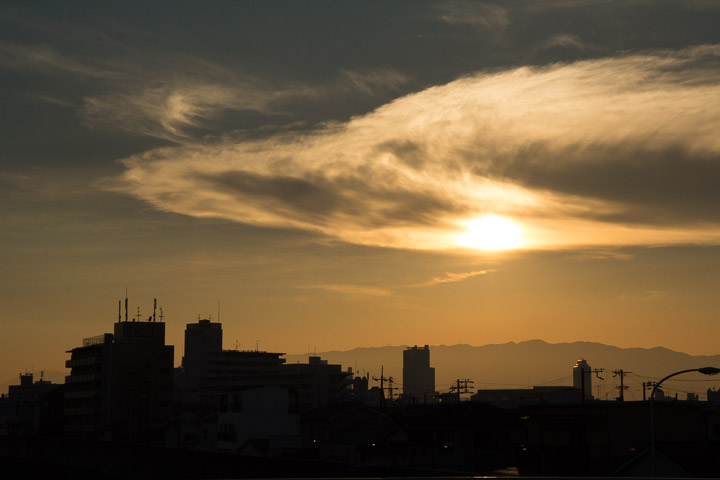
<point>536,362</point>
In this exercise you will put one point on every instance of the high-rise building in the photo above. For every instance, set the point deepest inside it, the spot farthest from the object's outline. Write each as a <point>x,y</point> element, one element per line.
<point>120,385</point>
<point>201,340</point>
<point>582,378</point>
<point>211,372</point>
<point>418,375</point>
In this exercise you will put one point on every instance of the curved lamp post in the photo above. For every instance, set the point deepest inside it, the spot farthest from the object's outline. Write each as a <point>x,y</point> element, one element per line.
<point>704,371</point>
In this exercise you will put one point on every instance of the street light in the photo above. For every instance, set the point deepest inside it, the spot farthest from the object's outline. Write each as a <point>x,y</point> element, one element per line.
<point>704,371</point>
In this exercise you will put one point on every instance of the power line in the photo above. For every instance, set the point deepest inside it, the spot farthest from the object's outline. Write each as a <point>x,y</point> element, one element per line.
<point>621,373</point>
<point>461,386</point>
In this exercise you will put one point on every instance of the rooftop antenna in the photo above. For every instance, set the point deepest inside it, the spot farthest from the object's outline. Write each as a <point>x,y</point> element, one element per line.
<point>154,307</point>
<point>138,315</point>
<point>161,314</point>
<point>126,305</point>
<point>257,345</point>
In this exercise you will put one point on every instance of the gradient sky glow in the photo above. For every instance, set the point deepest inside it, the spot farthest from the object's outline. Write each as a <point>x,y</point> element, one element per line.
<point>357,174</point>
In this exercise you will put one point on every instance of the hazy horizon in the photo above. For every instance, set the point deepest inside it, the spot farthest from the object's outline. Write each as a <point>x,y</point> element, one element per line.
<point>514,365</point>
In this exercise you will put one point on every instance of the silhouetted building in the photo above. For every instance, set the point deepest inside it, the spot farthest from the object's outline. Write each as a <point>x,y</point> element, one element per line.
<point>361,392</point>
<point>201,339</point>
<point>205,360</point>
<point>418,375</point>
<point>355,434</point>
<point>582,378</point>
<point>311,384</point>
<point>516,397</point>
<point>214,372</point>
<point>260,420</point>
<point>31,407</point>
<point>243,362</point>
<point>29,390</point>
<point>317,383</point>
<point>612,439</point>
<point>120,385</point>
<point>464,437</point>
<point>713,395</point>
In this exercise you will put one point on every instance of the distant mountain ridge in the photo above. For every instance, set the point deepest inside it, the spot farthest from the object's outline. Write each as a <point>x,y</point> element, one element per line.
<point>520,364</point>
<point>536,362</point>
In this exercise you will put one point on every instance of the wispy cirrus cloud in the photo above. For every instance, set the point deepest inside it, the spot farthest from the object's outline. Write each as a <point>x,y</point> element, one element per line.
<point>647,296</point>
<point>150,89</point>
<point>373,291</point>
<point>565,40</point>
<point>607,152</point>
<point>450,277</point>
<point>45,58</point>
<point>160,94</point>
<point>354,290</point>
<point>172,111</point>
<point>484,15</point>
<point>589,255</point>
<point>370,81</point>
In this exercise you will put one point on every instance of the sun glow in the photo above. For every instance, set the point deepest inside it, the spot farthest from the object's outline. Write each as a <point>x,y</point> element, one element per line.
<point>491,232</point>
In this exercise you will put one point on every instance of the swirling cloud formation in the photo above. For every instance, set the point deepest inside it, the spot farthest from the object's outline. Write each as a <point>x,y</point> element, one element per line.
<point>605,152</point>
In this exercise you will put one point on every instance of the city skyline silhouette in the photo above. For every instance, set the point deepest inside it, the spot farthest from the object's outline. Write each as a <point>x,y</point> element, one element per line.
<point>356,188</point>
<point>517,185</point>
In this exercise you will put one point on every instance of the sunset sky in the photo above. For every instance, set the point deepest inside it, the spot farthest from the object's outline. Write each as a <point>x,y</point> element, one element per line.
<point>342,174</point>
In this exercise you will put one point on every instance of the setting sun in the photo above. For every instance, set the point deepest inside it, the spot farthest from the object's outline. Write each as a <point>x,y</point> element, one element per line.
<point>491,232</point>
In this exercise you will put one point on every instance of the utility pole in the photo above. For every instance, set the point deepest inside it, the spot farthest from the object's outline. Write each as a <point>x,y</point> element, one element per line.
<point>461,386</point>
<point>390,381</point>
<point>382,381</point>
<point>622,386</point>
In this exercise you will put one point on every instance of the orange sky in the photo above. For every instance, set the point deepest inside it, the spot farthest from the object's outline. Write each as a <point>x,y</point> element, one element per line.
<point>470,172</point>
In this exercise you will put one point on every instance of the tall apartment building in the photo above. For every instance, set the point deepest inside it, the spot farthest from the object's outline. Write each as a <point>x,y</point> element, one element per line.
<point>205,361</point>
<point>213,372</point>
<point>202,339</point>
<point>418,375</point>
<point>120,385</point>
